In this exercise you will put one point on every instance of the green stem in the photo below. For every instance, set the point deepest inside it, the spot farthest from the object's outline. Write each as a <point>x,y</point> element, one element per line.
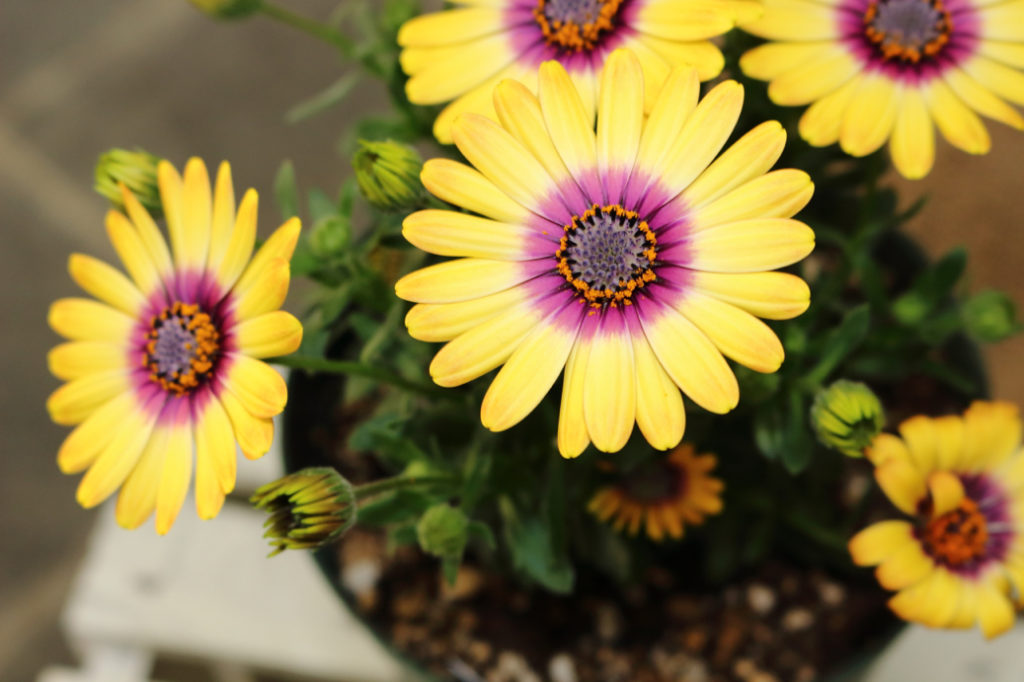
<point>398,482</point>
<point>357,369</point>
<point>309,26</point>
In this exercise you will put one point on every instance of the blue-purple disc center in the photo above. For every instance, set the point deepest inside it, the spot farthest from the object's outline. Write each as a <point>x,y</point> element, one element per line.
<point>578,12</point>
<point>174,346</point>
<point>607,250</point>
<point>907,30</point>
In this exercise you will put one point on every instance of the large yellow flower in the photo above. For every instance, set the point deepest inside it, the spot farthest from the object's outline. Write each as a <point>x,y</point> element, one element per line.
<point>167,358</point>
<point>894,70</point>
<point>663,496</point>
<point>631,258</point>
<point>460,54</point>
<point>961,479</point>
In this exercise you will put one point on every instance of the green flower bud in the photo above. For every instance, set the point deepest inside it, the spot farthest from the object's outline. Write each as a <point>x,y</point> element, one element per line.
<point>329,237</point>
<point>136,170</point>
<point>847,416</point>
<point>388,174</point>
<point>990,316</point>
<point>227,9</point>
<point>307,509</point>
<point>443,531</point>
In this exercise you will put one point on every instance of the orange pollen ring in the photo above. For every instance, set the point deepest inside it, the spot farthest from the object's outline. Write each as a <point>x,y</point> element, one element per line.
<point>607,296</point>
<point>571,35</point>
<point>957,537</point>
<point>181,348</point>
<point>892,43</point>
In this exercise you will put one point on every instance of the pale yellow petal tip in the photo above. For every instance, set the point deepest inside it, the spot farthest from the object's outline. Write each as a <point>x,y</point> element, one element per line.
<point>127,521</point>
<point>86,495</point>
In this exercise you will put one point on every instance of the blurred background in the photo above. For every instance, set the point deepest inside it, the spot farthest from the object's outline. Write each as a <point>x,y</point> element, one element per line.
<point>80,76</point>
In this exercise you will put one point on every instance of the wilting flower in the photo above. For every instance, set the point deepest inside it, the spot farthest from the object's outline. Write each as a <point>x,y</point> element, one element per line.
<point>878,70</point>
<point>662,496</point>
<point>167,358</point>
<point>460,54</point>
<point>961,480</point>
<point>308,508</point>
<point>847,416</point>
<point>632,259</point>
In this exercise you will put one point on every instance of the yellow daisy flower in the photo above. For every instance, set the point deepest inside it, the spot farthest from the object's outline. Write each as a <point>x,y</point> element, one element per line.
<point>460,54</point>
<point>878,70</point>
<point>167,358</point>
<point>631,258</point>
<point>961,479</point>
<point>663,497</point>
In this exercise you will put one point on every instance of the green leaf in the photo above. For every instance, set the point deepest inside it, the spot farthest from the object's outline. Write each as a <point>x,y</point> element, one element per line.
<point>839,343</point>
<point>381,436</point>
<point>450,568</point>
<point>286,190</point>
<point>321,206</point>
<point>401,536</point>
<point>482,532</point>
<point>330,96</point>
<point>930,288</point>
<point>781,433</point>
<point>396,507</point>
<point>529,541</point>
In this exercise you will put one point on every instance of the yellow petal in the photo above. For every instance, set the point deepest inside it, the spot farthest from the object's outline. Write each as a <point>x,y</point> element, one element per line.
<point>148,233</point>
<point>260,389</point>
<point>671,109</point>
<point>906,566</point>
<point>80,358</point>
<point>463,186</point>
<point>694,20</point>
<point>570,127</point>
<point>478,100</point>
<point>243,238</point>
<point>814,79</point>
<point>264,293</point>
<point>902,483</point>
<point>913,137</point>
<point>750,157</point>
<point>1002,80</point>
<point>780,194</point>
<point>620,112</point>
<point>482,348</point>
<point>222,223</point>
<point>76,400</point>
<point>117,459</point>
<point>445,321</point>
<point>738,335</point>
<point>197,212</point>
<point>703,55</point>
<point>573,438</point>
<point>137,499</point>
<point>133,253</point>
<point>448,72</point>
<point>771,295</point>
<point>982,99</point>
<point>215,459</point>
<point>85,443</point>
<point>879,541</point>
<point>254,434</point>
<point>461,280</point>
<point>175,476</point>
<point>279,247</point>
<point>172,200</point>
<point>751,245</point>
<point>457,25</point>
<point>692,361</point>
<point>105,283</point>
<point>449,233</point>
<point>653,66</point>
<point>609,393</point>
<point>949,442</point>
<point>659,405</point>
<point>772,60</point>
<point>821,123</point>
<point>871,115</point>
<point>83,319</point>
<point>920,436</point>
<point>886,446</point>
<point>795,20</point>
<point>946,491</point>
<point>269,335</point>
<point>992,432</point>
<point>528,374</point>
<point>958,124</point>
<point>995,612</point>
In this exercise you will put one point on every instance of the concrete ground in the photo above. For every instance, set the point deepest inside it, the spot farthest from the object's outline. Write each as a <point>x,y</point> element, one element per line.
<point>79,76</point>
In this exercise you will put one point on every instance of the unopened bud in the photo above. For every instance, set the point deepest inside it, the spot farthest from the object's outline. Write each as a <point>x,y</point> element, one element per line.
<point>847,416</point>
<point>227,9</point>
<point>136,170</point>
<point>991,316</point>
<point>388,174</point>
<point>329,237</point>
<point>443,531</point>
<point>307,509</point>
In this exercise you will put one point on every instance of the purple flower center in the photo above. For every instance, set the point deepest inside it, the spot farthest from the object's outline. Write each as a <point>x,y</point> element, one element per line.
<point>606,254</point>
<point>907,30</point>
<point>575,25</point>
<point>182,347</point>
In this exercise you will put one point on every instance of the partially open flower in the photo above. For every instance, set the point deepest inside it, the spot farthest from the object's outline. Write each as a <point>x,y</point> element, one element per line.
<point>388,174</point>
<point>961,480</point>
<point>307,509</point>
<point>662,496</point>
<point>136,170</point>
<point>847,416</point>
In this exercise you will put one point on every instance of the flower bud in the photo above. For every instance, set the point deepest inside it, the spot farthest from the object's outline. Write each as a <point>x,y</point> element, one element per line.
<point>443,531</point>
<point>136,170</point>
<point>307,509</point>
<point>847,416</point>
<point>990,316</point>
<point>227,9</point>
<point>329,237</point>
<point>388,174</point>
